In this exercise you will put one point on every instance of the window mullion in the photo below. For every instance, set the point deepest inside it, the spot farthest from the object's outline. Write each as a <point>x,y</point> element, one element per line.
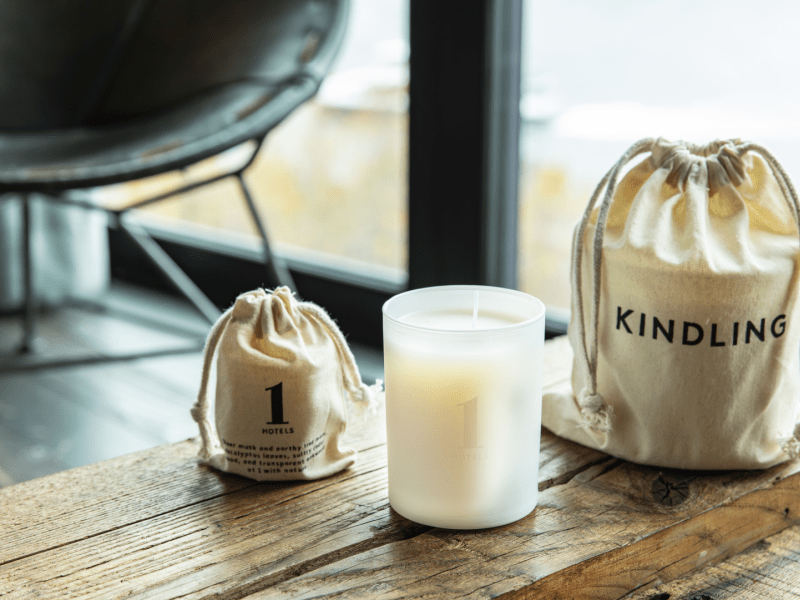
<point>501,151</point>
<point>463,142</point>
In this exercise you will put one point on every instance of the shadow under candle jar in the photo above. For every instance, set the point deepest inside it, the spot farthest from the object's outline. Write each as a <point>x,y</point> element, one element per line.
<point>463,377</point>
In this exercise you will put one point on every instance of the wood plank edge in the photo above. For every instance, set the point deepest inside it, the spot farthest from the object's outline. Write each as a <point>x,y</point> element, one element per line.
<point>410,531</point>
<point>767,570</point>
<point>707,538</point>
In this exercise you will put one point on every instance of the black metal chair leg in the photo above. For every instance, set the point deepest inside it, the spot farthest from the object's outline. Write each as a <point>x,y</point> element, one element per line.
<point>277,272</point>
<point>168,267</point>
<point>29,318</point>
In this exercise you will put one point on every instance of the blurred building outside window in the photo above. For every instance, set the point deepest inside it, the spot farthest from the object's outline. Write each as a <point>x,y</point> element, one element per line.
<point>600,75</point>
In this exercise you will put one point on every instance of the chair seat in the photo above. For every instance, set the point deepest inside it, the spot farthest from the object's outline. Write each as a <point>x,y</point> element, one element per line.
<point>147,145</point>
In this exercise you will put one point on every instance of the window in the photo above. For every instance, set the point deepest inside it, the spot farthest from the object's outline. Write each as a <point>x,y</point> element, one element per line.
<point>598,76</point>
<point>462,193</point>
<point>330,182</point>
<point>338,162</point>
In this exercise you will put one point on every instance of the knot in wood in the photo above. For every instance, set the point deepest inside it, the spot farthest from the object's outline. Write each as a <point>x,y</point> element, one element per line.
<point>669,489</point>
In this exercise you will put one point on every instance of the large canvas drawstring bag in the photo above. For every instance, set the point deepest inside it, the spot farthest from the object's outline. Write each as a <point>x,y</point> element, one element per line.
<point>284,376</point>
<point>685,325</point>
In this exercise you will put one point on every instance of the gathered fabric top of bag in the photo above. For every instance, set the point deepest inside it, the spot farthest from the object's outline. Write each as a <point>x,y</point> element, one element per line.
<point>285,377</point>
<point>695,240</point>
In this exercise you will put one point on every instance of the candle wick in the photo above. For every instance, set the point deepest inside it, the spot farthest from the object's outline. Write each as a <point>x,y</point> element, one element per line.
<point>475,310</point>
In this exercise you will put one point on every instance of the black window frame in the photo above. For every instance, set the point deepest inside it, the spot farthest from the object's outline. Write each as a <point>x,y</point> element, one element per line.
<point>463,180</point>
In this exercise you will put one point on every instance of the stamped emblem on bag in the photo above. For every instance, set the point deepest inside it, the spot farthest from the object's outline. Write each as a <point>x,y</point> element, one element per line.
<point>276,394</point>
<point>276,401</point>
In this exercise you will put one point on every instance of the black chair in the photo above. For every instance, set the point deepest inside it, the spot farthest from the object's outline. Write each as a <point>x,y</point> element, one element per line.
<point>96,92</point>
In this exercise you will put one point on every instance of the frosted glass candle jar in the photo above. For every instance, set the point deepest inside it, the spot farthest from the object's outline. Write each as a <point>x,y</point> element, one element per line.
<point>463,404</point>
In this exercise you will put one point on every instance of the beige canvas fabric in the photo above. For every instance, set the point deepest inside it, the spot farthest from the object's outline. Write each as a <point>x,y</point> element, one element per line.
<point>284,375</point>
<point>685,323</point>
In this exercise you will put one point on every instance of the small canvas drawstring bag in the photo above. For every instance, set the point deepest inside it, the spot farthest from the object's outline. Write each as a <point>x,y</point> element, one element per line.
<point>685,319</point>
<point>284,375</point>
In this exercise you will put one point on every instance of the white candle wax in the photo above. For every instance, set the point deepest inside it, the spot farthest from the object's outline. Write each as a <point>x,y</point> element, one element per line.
<point>457,320</point>
<point>463,402</point>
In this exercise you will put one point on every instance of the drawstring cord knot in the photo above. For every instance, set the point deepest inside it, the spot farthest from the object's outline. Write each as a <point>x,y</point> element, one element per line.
<point>595,412</point>
<point>791,445</point>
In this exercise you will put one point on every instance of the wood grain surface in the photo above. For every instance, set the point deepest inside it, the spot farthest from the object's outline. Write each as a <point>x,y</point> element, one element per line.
<point>767,570</point>
<point>157,524</point>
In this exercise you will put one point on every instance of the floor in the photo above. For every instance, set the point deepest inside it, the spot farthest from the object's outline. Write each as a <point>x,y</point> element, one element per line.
<point>58,417</point>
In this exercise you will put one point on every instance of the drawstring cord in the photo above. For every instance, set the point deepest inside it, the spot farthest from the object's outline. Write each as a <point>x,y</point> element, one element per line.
<point>785,183</point>
<point>369,396</point>
<point>596,413</point>
<point>208,436</point>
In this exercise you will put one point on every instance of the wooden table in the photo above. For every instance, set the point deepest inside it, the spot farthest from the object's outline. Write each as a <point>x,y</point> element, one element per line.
<point>157,524</point>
